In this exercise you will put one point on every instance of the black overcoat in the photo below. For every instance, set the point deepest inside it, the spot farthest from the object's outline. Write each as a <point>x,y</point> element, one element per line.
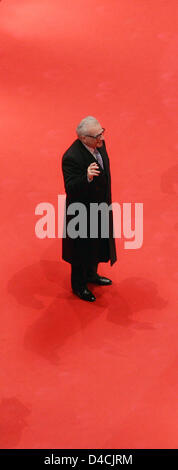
<point>75,162</point>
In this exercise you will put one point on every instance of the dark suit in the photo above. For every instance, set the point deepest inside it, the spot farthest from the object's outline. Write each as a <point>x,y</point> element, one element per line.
<point>87,252</point>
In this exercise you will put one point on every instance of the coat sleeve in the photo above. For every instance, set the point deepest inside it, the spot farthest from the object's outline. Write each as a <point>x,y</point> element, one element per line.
<point>75,177</point>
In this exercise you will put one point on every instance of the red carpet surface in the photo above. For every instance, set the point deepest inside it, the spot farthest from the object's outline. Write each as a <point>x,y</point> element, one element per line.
<point>74,374</point>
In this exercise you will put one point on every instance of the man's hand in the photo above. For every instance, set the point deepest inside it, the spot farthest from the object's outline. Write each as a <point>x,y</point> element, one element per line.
<point>92,171</point>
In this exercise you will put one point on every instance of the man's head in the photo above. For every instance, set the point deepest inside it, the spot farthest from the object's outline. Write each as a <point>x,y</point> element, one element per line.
<point>90,132</point>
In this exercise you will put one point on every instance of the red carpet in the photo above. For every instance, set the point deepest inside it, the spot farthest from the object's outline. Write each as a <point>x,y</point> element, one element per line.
<point>79,375</point>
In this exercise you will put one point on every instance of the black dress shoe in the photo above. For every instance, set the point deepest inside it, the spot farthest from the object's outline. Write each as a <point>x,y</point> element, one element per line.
<point>100,280</point>
<point>85,294</point>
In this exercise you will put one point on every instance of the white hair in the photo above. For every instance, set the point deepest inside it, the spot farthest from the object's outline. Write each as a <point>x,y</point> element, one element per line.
<point>83,125</point>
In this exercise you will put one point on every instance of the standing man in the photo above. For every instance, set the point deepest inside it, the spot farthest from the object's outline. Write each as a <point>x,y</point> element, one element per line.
<point>85,166</point>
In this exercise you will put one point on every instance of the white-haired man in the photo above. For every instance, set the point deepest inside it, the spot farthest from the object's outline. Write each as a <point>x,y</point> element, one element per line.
<point>86,172</point>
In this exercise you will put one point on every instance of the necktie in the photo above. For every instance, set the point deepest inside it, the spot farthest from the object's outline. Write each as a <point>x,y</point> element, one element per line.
<point>98,158</point>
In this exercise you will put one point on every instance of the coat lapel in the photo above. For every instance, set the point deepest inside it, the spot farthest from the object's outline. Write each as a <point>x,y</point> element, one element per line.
<point>91,159</point>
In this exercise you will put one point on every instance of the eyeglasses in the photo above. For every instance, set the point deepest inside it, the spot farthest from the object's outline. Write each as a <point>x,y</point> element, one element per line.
<point>96,136</point>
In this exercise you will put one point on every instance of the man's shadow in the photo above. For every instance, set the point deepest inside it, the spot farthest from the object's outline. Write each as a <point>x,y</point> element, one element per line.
<point>66,315</point>
<point>133,295</point>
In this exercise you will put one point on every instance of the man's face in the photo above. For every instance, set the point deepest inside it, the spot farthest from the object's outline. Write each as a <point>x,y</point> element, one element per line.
<point>93,131</point>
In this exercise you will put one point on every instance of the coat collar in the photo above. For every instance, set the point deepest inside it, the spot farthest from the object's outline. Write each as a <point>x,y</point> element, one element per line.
<point>91,157</point>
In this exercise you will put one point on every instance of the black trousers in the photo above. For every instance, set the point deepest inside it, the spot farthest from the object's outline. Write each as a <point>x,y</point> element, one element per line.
<point>80,275</point>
